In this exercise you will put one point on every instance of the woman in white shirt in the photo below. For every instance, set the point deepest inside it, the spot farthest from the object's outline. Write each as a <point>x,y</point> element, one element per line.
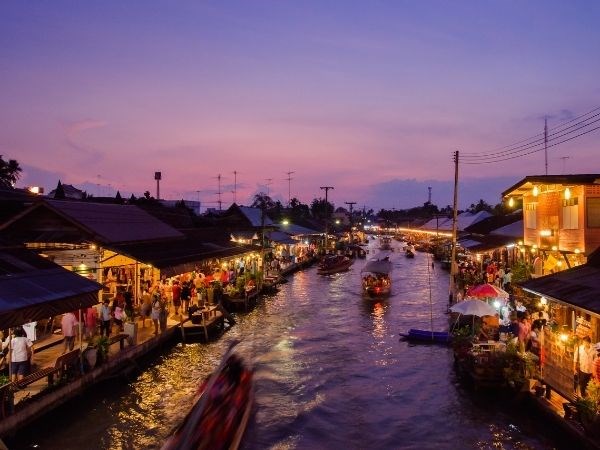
<point>21,350</point>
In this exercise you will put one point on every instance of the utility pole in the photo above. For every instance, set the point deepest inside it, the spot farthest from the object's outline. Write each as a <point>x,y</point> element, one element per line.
<point>429,195</point>
<point>351,204</point>
<point>326,188</point>
<point>157,177</point>
<point>219,191</point>
<point>289,180</point>
<point>454,217</point>
<point>546,143</point>
<point>199,204</point>
<point>234,186</point>
<point>269,181</point>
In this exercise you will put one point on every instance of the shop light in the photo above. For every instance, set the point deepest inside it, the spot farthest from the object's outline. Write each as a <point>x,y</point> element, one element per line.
<point>567,194</point>
<point>285,222</point>
<point>520,242</point>
<point>535,191</point>
<point>564,337</point>
<point>534,246</point>
<point>533,250</point>
<point>510,245</point>
<point>554,248</point>
<point>93,247</point>
<point>546,233</point>
<point>511,202</point>
<point>496,304</point>
<point>559,263</point>
<point>543,300</point>
<point>522,250</point>
<point>577,251</point>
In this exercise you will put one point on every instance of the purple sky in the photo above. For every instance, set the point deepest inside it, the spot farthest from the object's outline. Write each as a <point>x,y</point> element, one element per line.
<point>369,97</point>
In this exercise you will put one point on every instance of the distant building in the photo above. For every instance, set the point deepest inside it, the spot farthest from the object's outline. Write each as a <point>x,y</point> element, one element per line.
<point>67,191</point>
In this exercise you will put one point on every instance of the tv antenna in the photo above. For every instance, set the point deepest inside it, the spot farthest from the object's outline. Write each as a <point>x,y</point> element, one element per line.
<point>289,180</point>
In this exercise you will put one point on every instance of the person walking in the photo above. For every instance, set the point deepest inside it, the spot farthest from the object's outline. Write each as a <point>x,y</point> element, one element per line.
<point>583,364</point>
<point>68,324</point>
<point>105,316</point>
<point>146,307</point>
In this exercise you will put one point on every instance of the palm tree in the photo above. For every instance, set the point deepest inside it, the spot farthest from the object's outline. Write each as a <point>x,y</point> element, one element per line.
<point>10,172</point>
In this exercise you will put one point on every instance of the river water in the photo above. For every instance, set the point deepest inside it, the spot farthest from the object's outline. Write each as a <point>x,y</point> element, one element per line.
<point>331,372</point>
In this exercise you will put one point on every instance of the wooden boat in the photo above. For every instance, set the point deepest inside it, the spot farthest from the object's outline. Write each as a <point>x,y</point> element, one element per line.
<point>438,337</point>
<point>334,264</point>
<point>385,243</point>
<point>376,279</point>
<point>221,411</point>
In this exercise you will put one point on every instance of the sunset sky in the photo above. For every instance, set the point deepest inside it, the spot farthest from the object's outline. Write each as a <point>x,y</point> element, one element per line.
<point>369,97</point>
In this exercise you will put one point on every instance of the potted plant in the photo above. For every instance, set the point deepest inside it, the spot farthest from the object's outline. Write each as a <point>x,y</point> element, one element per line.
<point>588,409</point>
<point>102,345</point>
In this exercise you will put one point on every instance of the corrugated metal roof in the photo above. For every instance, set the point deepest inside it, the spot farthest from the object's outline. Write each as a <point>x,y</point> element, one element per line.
<point>527,183</point>
<point>176,257</point>
<point>579,286</point>
<point>281,238</point>
<point>298,230</point>
<point>254,216</point>
<point>113,223</point>
<point>32,288</point>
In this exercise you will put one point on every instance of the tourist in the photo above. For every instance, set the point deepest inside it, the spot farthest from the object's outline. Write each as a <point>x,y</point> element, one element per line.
<point>596,372</point>
<point>20,354</point>
<point>177,293</point>
<point>534,340</point>
<point>507,279</point>
<point>68,324</point>
<point>146,307</point>
<point>583,364</point>
<point>105,316</point>
<point>186,294</point>
<point>91,320</point>
<point>118,316</point>
<point>156,309</point>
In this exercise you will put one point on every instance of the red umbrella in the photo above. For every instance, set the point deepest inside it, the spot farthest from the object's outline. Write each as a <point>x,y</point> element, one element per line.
<point>486,291</point>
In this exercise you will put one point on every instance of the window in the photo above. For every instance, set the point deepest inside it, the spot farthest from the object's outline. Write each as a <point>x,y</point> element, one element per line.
<point>570,214</point>
<point>593,212</point>
<point>530,215</point>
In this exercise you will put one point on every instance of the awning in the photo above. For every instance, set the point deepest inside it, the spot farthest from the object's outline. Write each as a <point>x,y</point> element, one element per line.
<point>33,288</point>
<point>177,257</point>
<point>579,286</point>
<point>281,238</point>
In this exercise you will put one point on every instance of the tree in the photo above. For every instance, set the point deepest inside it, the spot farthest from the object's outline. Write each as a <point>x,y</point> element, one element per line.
<point>60,191</point>
<point>263,201</point>
<point>10,172</point>
<point>480,206</point>
<point>320,209</point>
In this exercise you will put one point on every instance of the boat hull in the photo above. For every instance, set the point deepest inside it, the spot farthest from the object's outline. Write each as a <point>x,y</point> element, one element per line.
<point>440,337</point>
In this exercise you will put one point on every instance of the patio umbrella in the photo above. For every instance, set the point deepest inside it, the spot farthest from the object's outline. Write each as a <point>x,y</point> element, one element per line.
<point>473,308</point>
<point>486,291</point>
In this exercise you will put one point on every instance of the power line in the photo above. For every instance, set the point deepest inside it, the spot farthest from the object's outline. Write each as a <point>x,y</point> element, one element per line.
<point>535,151</point>
<point>533,139</point>
<point>539,142</point>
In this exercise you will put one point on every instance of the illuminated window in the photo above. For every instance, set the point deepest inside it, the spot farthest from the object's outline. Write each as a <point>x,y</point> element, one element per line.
<point>593,212</point>
<point>570,213</point>
<point>530,215</point>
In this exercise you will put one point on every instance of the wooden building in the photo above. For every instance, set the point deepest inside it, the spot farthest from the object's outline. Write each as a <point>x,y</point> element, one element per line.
<point>561,215</point>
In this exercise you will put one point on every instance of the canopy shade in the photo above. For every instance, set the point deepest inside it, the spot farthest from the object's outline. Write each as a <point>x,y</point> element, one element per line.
<point>486,291</point>
<point>33,288</point>
<point>473,308</point>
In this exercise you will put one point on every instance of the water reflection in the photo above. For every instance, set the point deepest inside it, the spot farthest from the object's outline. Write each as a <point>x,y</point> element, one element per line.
<point>330,372</point>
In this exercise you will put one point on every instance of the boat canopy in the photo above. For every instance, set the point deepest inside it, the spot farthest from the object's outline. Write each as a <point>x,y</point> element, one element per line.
<point>378,266</point>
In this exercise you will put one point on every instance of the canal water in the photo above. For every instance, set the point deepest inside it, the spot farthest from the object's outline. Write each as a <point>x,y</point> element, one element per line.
<point>331,372</point>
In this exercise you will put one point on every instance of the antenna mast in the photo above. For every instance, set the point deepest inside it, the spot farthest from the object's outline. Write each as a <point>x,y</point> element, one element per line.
<point>289,180</point>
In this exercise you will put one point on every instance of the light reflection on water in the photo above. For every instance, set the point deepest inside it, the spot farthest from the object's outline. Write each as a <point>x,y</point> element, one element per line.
<point>330,371</point>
